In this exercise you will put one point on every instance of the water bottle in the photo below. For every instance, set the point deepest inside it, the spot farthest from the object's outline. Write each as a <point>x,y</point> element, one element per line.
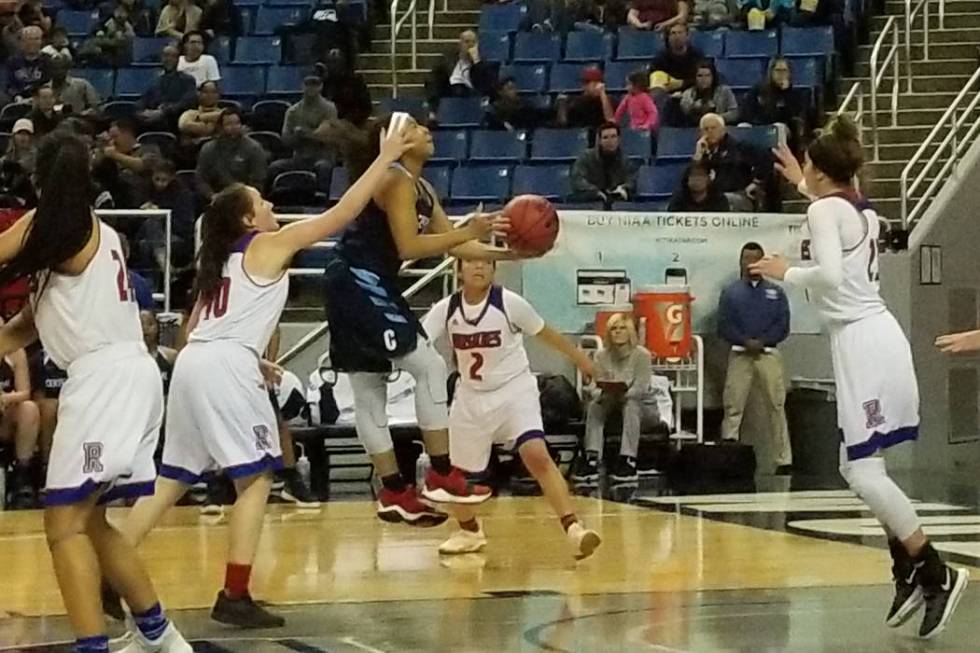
<point>421,469</point>
<point>303,466</point>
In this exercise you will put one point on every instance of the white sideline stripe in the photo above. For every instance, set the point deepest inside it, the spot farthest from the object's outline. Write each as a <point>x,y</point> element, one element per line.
<point>934,525</point>
<point>751,497</point>
<point>812,506</point>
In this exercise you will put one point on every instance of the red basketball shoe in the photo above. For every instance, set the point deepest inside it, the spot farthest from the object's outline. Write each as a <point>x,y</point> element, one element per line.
<point>405,507</point>
<point>453,488</point>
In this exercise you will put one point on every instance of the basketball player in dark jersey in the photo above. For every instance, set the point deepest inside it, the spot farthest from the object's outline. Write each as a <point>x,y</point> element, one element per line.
<point>373,330</point>
<point>19,424</point>
<point>164,356</point>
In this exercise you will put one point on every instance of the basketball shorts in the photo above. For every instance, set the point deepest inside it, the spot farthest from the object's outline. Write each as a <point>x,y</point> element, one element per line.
<point>219,415</point>
<point>109,417</point>
<point>509,416</point>
<point>877,392</point>
<point>370,321</point>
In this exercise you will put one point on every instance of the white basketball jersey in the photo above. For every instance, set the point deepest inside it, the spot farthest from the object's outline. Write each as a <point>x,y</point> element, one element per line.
<point>78,314</point>
<point>857,295</point>
<point>487,339</point>
<point>244,310</point>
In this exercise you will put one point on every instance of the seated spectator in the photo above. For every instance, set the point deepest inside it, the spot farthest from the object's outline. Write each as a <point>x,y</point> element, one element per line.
<point>346,89</point>
<point>111,42</point>
<point>58,44</point>
<point>566,15</point>
<point>140,16</point>
<point>604,172</point>
<point>122,165</point>
<point>25,69</point>
<point>33,12</point>
<point>775,101</point>
<point>461,73</point>
<point>17,167</point>
<point>638,104</point>
<point>200,123</point>
<point>230,157</point>
<point>708,95</point>
<point>221,18</point>
<point>43,115</point>
<point>142,290</point>
<point>657,15</point>
<point>738,169</point>
<point>512,112</point>
<point>710,14</point>
<point>760,14</point>
<point>698,193</point>
<point>679,60</point>
<point>167,191</point>
<point>168,96</point>
<point>10,27</point>
<point>178,18</point>
<point>623,373</point>
<point>305,130</point>
<point>22,148</point>
<point>20,423</point>
<point>202,67</point>
<point>76,95</point>
<point>592,108</point>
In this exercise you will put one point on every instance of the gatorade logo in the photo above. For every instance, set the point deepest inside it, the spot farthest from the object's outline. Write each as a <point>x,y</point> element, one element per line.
<point>674,317</point>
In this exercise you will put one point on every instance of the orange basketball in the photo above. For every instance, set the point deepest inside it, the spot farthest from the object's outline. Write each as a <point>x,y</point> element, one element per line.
<point>533,224</point>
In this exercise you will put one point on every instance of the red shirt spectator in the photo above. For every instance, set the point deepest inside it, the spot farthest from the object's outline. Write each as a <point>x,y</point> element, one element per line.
<point>656,14</point>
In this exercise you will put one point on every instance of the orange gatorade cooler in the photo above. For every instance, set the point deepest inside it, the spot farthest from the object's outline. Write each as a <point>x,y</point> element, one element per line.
<point>606,312</point>
<point>665,312</point>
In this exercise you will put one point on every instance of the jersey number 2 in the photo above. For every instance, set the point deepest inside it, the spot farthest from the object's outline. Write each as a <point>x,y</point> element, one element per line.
<point>218,305</point>
<point>122,278</point>
<point>476,366</point>
<point>873,263</point>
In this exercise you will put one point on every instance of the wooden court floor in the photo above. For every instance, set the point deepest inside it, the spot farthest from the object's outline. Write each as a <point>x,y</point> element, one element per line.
<point>341,565</point>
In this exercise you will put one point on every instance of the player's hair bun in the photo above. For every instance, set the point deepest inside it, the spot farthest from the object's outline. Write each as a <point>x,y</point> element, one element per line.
<point>844,128</point>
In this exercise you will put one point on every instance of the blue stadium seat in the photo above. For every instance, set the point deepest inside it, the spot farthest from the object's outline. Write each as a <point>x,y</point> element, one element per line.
<point>709,43</point>
<point>439,177</point>
<point>296,187</point>
<point>741,73</point>
<point>530,78</point>
<point>243,81</point>
<point>655,182</point>
<point>644,207</point>
<point>450,145</point>
<point>676,143</point>
<point>481,183</point>
<point>541,102</point>
<point>558,144</point>
<point>285,80</point>
<point>587,46</point>
<point>220,49</point>
<point>552,182</point>
<point>119,109</point>
<point>147,49</point>
<point>269,18</point>
<point>248,18</point>
<point>636,144</point>
<point>495,46</point>
<point>415,107</point>
<point>258,49</point>
<point>268,115</point>
<point>579,206</point>
<point>639,45</point>
<point>100,78</point>
<point>131,82</point>
<point>78,22</point>
<point>502,18</point>
<point>338,183</point>
<point>763,137</point>
<point>566,78</point>
<point>616,73</point>
<point>530,47</point>
<point>806,72</point>
<point>272,143</point>
<point>460,112</point>
<point>807,41</point>
<point>164,141</point>
<point>741,44</point>
<point>498,146</point>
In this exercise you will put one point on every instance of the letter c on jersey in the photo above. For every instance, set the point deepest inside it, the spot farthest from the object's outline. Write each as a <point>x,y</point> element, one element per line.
<point>389,338</point>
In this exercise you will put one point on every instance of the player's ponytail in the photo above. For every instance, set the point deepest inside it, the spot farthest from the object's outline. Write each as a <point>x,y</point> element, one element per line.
<point>222,225</point>
<point>62,223</point>
<point>837,151</point>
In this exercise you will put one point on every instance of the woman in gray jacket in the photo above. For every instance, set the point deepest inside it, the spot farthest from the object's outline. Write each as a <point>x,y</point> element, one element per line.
<point>708,95</point>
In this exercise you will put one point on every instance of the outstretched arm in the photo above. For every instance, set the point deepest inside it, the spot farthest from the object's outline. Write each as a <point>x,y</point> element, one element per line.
<point>957,343</point>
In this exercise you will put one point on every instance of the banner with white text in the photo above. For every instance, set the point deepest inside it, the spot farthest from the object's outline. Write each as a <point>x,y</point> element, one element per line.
<point>604,257</point>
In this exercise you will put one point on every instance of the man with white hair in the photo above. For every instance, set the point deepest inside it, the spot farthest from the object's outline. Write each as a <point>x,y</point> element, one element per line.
<point>739,170</point>
<point>26,69</point>
<point>461,73</point>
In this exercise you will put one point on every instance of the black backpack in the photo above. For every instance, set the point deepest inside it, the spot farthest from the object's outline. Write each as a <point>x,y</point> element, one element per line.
<point>560,403</point>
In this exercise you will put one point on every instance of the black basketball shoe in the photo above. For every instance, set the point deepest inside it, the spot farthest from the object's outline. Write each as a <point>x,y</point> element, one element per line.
<point>908,597</point>
<point>941,602</point>
<point>586,469</point>
<point>244,613</point>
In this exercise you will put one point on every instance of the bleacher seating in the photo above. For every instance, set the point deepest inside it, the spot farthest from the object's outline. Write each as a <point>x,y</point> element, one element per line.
<point>498,146</point>
<point>552,182</point>
<point>450,145</point>
<point>638,45</point>
<point>740,45</point>
<point>530,47</point>
<point>657,182</point>
<point>502,18</point>
<point>481,183</point>
<point>258,49</point>
<point>558,144</point>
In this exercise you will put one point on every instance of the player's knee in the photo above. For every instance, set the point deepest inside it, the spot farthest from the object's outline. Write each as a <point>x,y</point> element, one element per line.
<point>534,453</point>
<point>863,475</point>
<point>64,523</point>
<point>430,389</point>
<point>29,414</point>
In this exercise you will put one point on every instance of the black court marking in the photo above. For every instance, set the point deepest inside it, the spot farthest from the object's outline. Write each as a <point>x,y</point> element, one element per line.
<point>207,646</point>
<point>300,647</point>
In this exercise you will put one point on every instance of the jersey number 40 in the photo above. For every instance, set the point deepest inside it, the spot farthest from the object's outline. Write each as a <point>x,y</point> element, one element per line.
<point>217,306</point>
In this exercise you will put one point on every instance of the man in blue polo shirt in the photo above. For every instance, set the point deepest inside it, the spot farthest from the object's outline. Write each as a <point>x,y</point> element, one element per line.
<point>753,317</point>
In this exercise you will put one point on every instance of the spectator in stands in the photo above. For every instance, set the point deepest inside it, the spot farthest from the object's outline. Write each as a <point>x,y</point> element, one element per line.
<point>142,290</point>
<point>327,28</point>
<point>638,104</point>
<point>202,67</point>
<point>25,69</point>
<point>140,16</point>
<point>604,172</point>
<point>221,18</point>
<point>775,101</point>
<point>346,89</point>
<point>753,318</point>
<point>512,112</point>
<point>33,12</point>
<point>708,95</point>
<point>168,96</point>
<point>111,41</point>
<point>58,44</point>
<point>659,15</point>
<point>592,108</point>
<point>679,60</point>
<point>122,164</point>
<point>759,14</point>
<point>200,123</point>
<point>305,130</point>
<point>167,191</point>
<point>710,14</point>
<point>623,373</point>
<point>21,149</point>
<point>178,18</point>
<point>738,169</point>
<point>461,73</point>
<point>230,157</point>
<point>10,27</point>
<point>21,422</point>
<point>698,192</point>
<point>567,15</point>
<point>43,115</point>
<point>76,95</point>
<point>17,166</point>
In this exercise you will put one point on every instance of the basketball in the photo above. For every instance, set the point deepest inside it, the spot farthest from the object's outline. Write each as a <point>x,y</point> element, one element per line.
<point>533,224</point>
